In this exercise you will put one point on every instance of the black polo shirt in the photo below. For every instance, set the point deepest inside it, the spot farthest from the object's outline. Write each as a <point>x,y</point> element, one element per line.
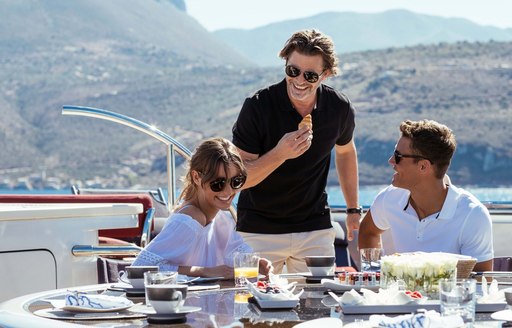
<point>293,197</point>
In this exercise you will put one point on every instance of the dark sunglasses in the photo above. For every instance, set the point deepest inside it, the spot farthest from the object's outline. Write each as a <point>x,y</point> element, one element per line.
<point>398,157</point>
<point>293,71</point>
<point>235,182</point>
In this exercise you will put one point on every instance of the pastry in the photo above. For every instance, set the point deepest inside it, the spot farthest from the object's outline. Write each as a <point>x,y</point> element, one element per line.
<point>306,121</point>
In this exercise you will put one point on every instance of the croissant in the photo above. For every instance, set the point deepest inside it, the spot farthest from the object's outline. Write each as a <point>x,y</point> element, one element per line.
<point>306,121</point>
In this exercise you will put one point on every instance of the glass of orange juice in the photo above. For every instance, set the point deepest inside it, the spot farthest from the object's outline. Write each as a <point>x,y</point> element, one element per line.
<point>246,268</point>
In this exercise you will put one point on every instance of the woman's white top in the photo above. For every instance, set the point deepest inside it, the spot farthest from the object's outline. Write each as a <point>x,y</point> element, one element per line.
<point>185,242</point>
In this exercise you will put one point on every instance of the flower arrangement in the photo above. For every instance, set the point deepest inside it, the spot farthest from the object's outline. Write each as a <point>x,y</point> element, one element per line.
<point>419,271</point>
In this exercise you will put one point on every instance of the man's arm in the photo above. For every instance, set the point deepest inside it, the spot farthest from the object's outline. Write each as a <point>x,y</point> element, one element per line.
<point>348,177</point>
<point>369,234</point>
<point>291,145</point>
<point>483,266</point>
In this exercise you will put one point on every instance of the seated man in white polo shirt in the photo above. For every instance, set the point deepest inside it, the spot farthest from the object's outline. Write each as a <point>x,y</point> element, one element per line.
<point>420,211</point>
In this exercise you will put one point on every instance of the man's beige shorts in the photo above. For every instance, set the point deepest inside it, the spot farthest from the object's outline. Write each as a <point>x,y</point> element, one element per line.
<point>291,248</point>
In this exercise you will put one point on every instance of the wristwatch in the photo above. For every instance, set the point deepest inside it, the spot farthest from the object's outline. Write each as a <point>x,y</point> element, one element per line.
<point>355,210</point>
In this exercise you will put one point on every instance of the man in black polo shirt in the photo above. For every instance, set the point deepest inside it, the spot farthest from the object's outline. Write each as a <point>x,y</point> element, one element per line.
<point>283,211</point>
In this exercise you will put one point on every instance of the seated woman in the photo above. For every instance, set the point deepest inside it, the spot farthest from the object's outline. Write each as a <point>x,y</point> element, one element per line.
<point>199,239</point>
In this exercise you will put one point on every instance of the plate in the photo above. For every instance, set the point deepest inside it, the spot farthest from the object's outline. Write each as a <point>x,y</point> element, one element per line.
<point>274,304</point>
<point>182,279</point>
<point>408,308</point>
<point>128,289</point>
<point>66,315</point>
<point>336,286</point>
<point>505,315</point>
<point>321,322</point>
<point>317,279</point>
<point>123,304</point>
<point>150,311</point>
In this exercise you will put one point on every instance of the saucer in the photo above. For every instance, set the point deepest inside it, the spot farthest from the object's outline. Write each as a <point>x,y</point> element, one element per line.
<point>505,315</point>
<point>128,289</point>
<point>150,311</point>
<point>311,279</point>
<point>179,316</point>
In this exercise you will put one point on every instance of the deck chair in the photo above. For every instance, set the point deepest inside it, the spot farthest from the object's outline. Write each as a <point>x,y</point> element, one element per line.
<point>503,263</point>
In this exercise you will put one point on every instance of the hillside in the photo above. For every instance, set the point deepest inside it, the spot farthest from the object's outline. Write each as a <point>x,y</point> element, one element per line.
<point>353,32</point>
<point>152,62</point>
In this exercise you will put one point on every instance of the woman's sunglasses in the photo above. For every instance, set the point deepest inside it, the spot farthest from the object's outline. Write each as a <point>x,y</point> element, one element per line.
<point>235,182</point>
<point>398,157</point>
<point>293,71</point>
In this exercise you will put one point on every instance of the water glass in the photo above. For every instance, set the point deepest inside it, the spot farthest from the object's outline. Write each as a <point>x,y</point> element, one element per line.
<point>246,268</point>
<point>370,259</point>
<point>158,278</point>
<point>458,297</point>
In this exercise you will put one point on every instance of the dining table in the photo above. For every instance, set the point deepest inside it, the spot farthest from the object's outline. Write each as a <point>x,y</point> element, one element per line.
<point>221,305</point>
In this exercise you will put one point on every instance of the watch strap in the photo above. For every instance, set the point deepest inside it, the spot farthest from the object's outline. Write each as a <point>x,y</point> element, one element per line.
<point>356,210</point>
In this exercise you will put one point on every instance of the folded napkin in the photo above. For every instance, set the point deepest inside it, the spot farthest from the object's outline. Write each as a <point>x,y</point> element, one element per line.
<point>95,301</point>
<point>430,319</point>
<point>491,294</point>
<point>389,296</point>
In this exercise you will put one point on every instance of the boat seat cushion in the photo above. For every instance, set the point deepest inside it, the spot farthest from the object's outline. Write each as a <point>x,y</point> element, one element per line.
<point>131,235</point>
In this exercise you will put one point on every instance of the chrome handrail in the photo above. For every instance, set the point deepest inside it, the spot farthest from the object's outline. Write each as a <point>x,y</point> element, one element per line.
<point>115,250</point>
<point>171,143</point>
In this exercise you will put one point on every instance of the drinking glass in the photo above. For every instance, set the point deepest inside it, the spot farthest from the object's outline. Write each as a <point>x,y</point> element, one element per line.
<point>246,268</point>
<point>158,278</point>
<point>370,259</point>
<point>458,297</point>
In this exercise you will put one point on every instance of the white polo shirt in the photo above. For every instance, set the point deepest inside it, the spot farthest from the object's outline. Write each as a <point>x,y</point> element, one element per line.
<point>463,226</point>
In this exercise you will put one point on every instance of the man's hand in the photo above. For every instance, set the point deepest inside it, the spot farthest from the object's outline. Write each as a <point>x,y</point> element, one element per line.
<point>293,144</point>
<point>352,223</point>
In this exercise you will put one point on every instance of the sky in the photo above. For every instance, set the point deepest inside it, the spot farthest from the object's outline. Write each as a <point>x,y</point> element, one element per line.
<point>218,14</point>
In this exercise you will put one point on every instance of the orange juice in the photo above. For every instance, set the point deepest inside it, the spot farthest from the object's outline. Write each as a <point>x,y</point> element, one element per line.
<point>245,273</point>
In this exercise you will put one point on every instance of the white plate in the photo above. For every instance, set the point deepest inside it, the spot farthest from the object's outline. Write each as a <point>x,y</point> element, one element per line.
<point>66,315</point>
<point>408,308</point>
<point>279,304</point>
<point>505,315</point>
<point>321,322</point>
<point>123,304</point>
<point>149,310</point>
<point>337,286</point>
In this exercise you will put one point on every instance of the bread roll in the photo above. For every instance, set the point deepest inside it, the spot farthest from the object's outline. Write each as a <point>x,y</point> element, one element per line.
<point>306,121</point>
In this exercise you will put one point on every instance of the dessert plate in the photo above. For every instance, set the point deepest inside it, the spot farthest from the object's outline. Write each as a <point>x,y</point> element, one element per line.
<point>505,315</point>
<point>66,315</point>
<point>274,304</point>
<point>116,304</point>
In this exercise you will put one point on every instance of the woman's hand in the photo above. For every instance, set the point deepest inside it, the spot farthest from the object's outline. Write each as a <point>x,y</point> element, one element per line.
<point>219,271</point>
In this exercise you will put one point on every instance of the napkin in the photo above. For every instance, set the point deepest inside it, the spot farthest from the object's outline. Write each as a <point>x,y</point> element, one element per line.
<point>389,296</point>
<point>430,319</point>
<point>95,301</point>
<point>491,294</point>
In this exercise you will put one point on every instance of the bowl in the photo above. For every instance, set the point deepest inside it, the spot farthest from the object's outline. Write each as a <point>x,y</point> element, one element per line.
<point>320,265</point>
<point>508,295</point>
<point>465,267</point>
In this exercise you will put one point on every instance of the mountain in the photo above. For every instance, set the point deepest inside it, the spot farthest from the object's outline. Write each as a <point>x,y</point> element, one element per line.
<point>111,28</point>
<point>358,32</point>
<point>150,61</point>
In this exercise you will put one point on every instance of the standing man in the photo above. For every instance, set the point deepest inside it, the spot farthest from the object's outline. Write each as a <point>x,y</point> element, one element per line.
<point>283,211</point>
<point>421,210</point>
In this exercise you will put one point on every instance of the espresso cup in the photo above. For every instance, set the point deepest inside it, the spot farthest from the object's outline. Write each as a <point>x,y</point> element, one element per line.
<point>134,275</point>
<point>166,298</point>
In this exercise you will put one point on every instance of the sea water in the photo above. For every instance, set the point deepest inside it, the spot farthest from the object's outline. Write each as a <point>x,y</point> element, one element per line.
<point>335,197</point>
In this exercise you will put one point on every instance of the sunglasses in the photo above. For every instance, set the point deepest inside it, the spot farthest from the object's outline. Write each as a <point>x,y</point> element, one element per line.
<point>235,182</point>
<point>293,71</point>
<point>398,157</point>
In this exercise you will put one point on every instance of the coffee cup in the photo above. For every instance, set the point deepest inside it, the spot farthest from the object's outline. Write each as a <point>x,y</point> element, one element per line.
<point>134,275</point>
<point>166,298</point>
<point>320,265</point>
